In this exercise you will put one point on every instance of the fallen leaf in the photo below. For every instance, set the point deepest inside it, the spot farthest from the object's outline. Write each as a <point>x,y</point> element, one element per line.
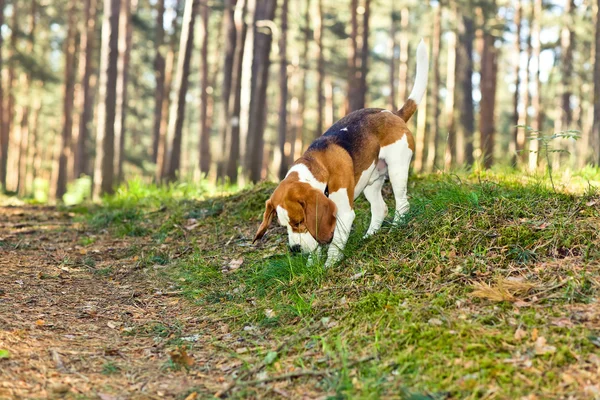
<point>113,324</point>
<point>40,322</point>
<point>235,264</point>
<point>4,353</point>
<point>534,334</point>
<point>591,203</point>
<point>270,357</point>
<point>181,357</point>
<point>435,322</point>
<point>520,334</point>
<point>104,396</point>
<point>269,313</point>
<point>542,348</point>
<point>192,396</point>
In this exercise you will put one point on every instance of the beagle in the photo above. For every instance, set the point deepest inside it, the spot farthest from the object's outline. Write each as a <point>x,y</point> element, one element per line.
<point>315,201</point>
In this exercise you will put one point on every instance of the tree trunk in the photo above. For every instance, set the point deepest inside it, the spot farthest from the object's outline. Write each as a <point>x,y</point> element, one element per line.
<point>364,56</point>
<point>84,101</point>
<point>3,116</point>
<point>450,158</point>
<point>283,92</point>
<point>161,153</point>
<point>70,59</point>
<point>204,150</point>
<point>10,101</point>
<point>536,100</point>
<point>305,66</point>
<point>432,143</point>
<point>353,71</point>
<point>467,116</point>
<point>392,51</point>
<point>107,86</point>
<point>596,125</point>
<point>515,146</point>
<point>263,16</point>
<point>159,74</point>
<point>229,31</point>
<point>403,62</point>
<point>236,100</point>
<point>35,159</point>
<point>489,69</point>
<point>177,112</point>
<point>320,67</point>
<point>525,95</point>
<point>125,32</point>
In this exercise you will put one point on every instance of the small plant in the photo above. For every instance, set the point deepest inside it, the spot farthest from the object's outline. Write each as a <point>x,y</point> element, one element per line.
<point>110,368</point>
<point>545,145</point>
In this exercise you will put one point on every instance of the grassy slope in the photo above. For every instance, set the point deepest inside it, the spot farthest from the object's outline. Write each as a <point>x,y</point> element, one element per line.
<point>490,288</point>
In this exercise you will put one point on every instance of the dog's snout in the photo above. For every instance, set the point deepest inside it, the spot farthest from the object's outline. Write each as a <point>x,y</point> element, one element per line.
<point>295,248</point>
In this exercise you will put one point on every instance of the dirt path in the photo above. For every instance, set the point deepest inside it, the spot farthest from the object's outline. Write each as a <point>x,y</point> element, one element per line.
<point>74,330</point>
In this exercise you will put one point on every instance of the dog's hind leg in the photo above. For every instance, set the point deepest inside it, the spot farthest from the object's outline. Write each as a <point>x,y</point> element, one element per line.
<point>397,156</point>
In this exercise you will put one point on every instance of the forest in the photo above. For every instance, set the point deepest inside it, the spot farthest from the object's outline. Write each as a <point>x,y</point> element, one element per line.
<point>141,146</point>
<point>234,91</point>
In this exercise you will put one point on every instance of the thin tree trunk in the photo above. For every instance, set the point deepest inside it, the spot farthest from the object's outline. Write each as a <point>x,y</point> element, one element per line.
<point>3,116</point>
<point>305,66</point>
<point>161,153</point>
<point>10,101</point>
<point>514,148</point>
<point>536,100</point>
<point>229,32</point>
<point>204,150</point>
<point>467,116</point>
<point>403,62</point>
<point>35,159</point>
<point>83,97</point>
<point>105,134</point>
<point>364,56</point>
<point>392,51</point>
<point>320,67</point>
<point>283,91</point>
<point>66,146</point>
<point>264,14</point>
<point>236,101</point>
<point>565,115</point>
<point>177,112</point>
<point>353,71</point>
<point>432,143</point>
<point>450,158</point>
<point>125,36</point>
<point>596,125</point>
<point>159,74</point>
<point>488,99</point>
<point>525,95</point>
<point>329,102</point>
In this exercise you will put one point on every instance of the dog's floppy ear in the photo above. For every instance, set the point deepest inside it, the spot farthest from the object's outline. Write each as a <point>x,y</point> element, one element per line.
<point>267,217</point>
<point>320,212</point>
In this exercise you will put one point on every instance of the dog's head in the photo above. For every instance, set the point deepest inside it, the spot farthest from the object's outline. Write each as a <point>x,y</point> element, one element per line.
<point>306,212</point>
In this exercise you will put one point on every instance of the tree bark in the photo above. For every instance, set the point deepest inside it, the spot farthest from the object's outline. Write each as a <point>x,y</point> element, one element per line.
<point>204,150</point>
<point>125,33</point>
<point>353,70</point>
<point>236,100</point>
<point>177,112</point>
<point>364,56</point>
<point>263,16</point>
<point>159,74</point>
<point>320,68</point>
<point>10,101</point>
<point>596,124</point>
<point>283,92</point>
<point>525,95</point>
<point>450,158</point>
<point>66,146</point>
<point>3,116</point>
<point>536,100</point>
<point>403,62</point>
<point>229,31</point>
<point>489,68</point>
<point>467,115</point>
<point>105,134</point>
<point>432,143</point>
<point>84,101</point>
<point>305,66</point>
<point>515,145</point>
<point>392,51</point>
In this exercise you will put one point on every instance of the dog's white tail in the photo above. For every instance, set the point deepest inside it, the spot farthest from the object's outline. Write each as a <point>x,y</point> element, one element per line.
<point>418,91</point>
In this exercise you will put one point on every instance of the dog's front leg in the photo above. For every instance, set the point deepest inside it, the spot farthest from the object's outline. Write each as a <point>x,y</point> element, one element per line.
<point>344,219</point>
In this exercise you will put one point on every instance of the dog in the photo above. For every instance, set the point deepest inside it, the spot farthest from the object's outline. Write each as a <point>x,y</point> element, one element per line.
<point>315,201</point>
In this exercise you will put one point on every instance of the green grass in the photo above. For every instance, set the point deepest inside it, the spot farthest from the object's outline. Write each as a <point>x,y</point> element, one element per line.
<point>407,295</point>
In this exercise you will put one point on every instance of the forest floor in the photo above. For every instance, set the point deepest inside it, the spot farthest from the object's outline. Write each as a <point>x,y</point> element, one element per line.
<point>489,290</point>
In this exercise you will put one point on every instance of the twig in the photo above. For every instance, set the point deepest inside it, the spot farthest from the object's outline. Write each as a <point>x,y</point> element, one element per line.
<point>56,358</point>
<point>297,374</point>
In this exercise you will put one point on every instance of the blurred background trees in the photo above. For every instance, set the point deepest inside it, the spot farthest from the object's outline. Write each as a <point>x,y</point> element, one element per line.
<point>234,90</point>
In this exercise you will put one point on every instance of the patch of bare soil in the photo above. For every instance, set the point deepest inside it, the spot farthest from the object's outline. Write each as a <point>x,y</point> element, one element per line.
<point>70,329</point>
